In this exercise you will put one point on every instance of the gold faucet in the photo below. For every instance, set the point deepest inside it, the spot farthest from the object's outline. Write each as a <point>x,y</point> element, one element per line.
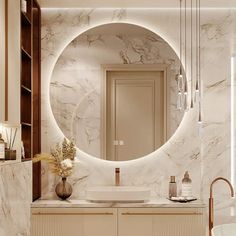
<point>117,176</point>
<point>211,204</point>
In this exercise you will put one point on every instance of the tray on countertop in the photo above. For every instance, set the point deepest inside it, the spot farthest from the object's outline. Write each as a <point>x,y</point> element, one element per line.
<point>182,199</point>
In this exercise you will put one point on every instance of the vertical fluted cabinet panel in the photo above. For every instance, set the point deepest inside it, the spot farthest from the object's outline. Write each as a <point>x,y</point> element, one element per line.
<point>162,222</point>
<point>118,222</point>
<point>73,222</point>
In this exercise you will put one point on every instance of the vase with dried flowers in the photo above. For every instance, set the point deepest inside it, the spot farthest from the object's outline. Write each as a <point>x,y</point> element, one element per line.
<point>61,161</point>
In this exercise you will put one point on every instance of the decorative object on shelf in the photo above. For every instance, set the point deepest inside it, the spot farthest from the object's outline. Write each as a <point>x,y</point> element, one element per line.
<point>63,189</point>
<point>24,6</point>
<point>10,153</point>
<point>61,160</point>
<point>22,150</point>
<point>2,148</point>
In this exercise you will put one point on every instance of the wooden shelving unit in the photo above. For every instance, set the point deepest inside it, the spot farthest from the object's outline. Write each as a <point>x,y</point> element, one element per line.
<point>30,88</point>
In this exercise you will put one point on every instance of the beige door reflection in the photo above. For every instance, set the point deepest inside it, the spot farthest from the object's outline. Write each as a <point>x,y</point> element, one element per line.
<point>135,113</point>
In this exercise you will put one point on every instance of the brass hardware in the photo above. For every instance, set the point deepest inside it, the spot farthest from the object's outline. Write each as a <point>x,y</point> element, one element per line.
<point>211,204</point>
<point>162,214</point>
<point>73,214</point>
<point>6,60</point>
<point>117,176</point>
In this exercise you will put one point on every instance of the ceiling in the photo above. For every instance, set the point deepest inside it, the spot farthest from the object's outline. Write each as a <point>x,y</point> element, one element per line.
<point>130,3</point>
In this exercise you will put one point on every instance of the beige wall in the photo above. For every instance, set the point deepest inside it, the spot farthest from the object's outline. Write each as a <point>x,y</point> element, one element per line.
<point>2,60</point>
<point>14,61</point>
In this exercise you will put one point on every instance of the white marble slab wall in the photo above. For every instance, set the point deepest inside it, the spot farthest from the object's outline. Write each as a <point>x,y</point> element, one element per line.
<point>15,199</point>
<point>206,154</point>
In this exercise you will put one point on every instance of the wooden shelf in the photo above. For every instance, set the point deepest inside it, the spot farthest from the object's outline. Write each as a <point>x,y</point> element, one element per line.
<point>26,159</point>
<point>30,88</point>
<point>25,19</point>
<point>8,162</point>
<point>25,54</point>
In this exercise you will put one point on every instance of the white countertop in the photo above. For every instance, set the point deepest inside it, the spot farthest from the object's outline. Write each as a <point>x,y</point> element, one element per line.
<point>158,203</point>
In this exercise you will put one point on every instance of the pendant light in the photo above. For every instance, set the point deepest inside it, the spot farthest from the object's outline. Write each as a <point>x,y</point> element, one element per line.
<point>199,64</point>
<point>179,77</point>
<point>197,55</point>
<point>193,92</point>
<point>185,58</point>
<point>191,54</point>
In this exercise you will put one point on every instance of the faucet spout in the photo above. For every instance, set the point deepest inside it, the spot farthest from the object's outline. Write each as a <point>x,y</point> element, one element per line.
<point>211,203</point>
<point>117,176</point>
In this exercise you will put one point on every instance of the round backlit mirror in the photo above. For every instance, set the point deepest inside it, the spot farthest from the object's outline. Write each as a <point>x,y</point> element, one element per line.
<point>113,91</point>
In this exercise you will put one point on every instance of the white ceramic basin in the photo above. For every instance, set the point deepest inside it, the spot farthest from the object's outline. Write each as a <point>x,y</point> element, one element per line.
<point>118,194</point>
<point>224,230</point>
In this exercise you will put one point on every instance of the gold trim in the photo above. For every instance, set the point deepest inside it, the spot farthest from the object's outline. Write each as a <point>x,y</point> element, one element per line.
<point>6,60</point>
<point>73,214</point>
<point>162,214</point>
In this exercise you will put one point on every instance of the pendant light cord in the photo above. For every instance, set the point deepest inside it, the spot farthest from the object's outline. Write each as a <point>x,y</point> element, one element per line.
<point>199,62</point>
<point>191,53</point>
<point>197,49</point>
<point>180,36</point>
<point>185,35</point>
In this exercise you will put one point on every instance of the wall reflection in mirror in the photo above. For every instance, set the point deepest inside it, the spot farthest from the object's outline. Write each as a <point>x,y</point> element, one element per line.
<point>113,91</point>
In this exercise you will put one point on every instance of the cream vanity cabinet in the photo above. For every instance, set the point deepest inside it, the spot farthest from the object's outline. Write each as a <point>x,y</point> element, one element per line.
<point>118,222</point>
<point>73,222</point>
<point>161,222</point>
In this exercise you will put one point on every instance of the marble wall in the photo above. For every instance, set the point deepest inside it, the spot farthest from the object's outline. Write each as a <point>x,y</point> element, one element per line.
<point>203,149</point>
<point>15,200</point>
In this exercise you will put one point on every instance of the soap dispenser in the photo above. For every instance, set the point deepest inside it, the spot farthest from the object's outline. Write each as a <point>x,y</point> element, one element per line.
<point>186,185</point>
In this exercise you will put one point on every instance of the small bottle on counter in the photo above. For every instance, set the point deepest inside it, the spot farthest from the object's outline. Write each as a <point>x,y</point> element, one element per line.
<point>172,187</point>
<point>186,185</point>
<point>2,148</point>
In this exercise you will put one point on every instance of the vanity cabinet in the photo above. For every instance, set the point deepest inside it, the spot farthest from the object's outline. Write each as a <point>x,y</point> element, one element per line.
<point>118,221</point>
<point>74,222</point>
<point>161,222</point>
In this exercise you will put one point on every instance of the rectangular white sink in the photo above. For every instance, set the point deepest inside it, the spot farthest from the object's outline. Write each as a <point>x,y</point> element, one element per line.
<point>224,230</point>
<point>118,194</point>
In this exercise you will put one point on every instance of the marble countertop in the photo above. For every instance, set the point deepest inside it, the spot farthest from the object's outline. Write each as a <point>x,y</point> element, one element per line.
<point>159,203</point>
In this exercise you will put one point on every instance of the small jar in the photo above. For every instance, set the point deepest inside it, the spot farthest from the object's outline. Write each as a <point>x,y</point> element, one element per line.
<point>172,187</point>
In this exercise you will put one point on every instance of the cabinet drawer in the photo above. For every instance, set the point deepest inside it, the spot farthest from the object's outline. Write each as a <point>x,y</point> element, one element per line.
<point>73,222</point>
<point>161,222</point>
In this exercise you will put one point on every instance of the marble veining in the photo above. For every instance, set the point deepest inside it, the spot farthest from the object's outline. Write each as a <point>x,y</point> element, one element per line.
<point>15,200</point>
<point>75,101</point>
<point>202,149</point>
